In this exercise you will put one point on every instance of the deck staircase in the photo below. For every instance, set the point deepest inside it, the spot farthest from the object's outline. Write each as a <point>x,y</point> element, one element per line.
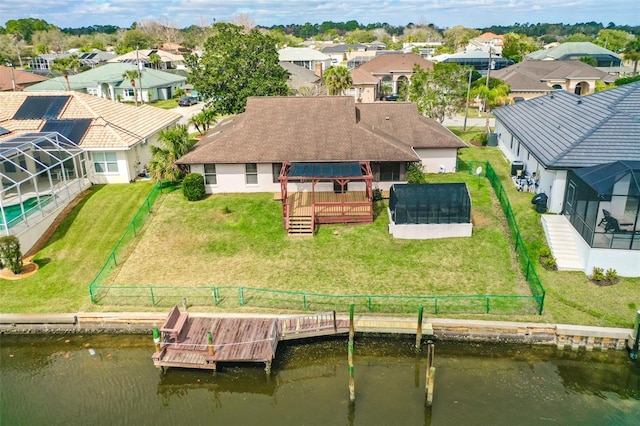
<point>301,226</point>
<point>561,241</point>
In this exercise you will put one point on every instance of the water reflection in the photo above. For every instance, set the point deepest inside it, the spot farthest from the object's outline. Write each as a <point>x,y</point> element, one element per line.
<point>475,384</point>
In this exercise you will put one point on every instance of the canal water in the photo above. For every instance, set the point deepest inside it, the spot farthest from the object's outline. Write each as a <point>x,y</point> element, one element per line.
<point>111,380</point>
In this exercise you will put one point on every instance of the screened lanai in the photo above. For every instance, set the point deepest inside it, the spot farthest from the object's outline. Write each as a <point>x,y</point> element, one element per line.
<point>603,203</point>
<point>40,174</point>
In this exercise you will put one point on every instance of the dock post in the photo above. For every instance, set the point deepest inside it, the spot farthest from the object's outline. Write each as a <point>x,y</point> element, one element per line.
<point>352,385</point>
<point>267,367</point>
<point>156,338</point>
<point>212,351</point>
<point>430,374</point>
<point>184,303</point>
<point>634,349</point>
<point>419,332</point>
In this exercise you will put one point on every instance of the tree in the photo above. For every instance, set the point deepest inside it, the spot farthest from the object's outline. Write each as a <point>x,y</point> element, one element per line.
<point>517,46</point>
<point>359,36</point>
<point>155,60</point>
<point>493,92</point>
<point>132,75</point>
<point>614,40</point>
<point>632,53</point>
<point>458,37</point>
<point>236,65</point>
<point>175,143</point>
<point>589,60</point>
<point>440,92</point>
<point>203,120</point>
<point>65,65</point>
<point>10,254</point>
<point>577,37</point>
<point>337,80</point>
<point>134,39</point>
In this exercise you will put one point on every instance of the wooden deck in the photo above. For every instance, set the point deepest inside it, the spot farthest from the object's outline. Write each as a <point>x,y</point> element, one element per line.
<point>240,339</point>
<point>329,204</point>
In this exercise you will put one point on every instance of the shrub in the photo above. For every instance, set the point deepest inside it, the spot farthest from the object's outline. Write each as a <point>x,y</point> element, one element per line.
<point>10,255</point>
<point>550,263</point>
<point>193,186</point>
<point>415,173</point>
<point>611,275</point>
<point>377,194</point>
<point>226,210</point>
<point>545,251</point>
<point>480,139</point>
<point>598,274</point>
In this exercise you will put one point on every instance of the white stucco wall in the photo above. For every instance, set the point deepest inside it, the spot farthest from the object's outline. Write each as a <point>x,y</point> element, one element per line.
<point>231,178</point>
<point>625,262</point>
<point>414,231</point>
<point>433,159</point>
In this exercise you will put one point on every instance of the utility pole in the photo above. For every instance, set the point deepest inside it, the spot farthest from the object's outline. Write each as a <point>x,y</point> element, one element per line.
<point>486,99</point>
<point>466,110</point>
<point>139,76</point>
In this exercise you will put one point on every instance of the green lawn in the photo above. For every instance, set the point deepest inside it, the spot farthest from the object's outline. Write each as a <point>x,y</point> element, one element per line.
<point>76,252</point>
<point>571,298</point>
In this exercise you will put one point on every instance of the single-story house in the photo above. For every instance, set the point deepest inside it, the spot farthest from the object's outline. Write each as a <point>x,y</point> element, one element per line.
<point>91,59</point>
<point>297,146</point>
<point>310,59</point>
<point>480,60</point>
<point>391,69</point>
<point>115,137</point>
<point>533,78</point>
<point>13,79</point>
<point>107,81</point>
<point>555,139</point>
<point>606,60</point>
<point>168,60</point>
<point>343,52</point>
<point>302,80</point>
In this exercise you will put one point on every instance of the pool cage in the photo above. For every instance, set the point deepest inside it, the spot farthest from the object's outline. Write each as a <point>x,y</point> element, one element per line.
<point>430,203</point>
<point>40,173</point>
<point>603,204</point>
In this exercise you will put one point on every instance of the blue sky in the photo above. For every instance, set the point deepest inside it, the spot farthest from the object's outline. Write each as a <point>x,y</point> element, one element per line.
<point>443,13</point>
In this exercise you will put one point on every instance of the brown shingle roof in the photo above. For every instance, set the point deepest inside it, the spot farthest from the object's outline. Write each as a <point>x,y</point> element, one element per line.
<point>113,125</point>
<point>361,76</point>
<point>384,64</point>
<point>22,78</point>
<point>317,129</point>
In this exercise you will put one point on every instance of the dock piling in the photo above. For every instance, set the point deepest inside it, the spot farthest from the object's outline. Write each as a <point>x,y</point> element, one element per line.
<point>419,332</point>
<point>634,349</point>
<point>352,385</point>
<point>430,374</point>
<point>156,338</point>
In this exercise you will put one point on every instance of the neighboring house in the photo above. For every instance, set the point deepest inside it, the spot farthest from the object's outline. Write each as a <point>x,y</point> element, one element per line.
<point>532,78</point>
<point>12,79</point>
<point>393,70</point>
<point>343,52</point>
<point>115,136</point>
<point>301,79</point>
<point>107,81</point>
<point>485,42</point>
<point>426,50</point>
<point>90,59</point>
<point>310,59</point>
<point>168,60</point>
<point>366,86</point>
<point>480,60</point>
<point>606,60</point>
<point>257,151</point>
<point>572,143</point>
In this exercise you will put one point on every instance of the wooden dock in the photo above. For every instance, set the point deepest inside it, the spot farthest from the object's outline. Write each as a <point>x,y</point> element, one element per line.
<point>236,339</point>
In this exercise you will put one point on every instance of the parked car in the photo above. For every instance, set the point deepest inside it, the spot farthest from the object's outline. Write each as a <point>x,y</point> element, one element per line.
<point>188,101</point>
<point>518,99</point>
<point>393,97</point>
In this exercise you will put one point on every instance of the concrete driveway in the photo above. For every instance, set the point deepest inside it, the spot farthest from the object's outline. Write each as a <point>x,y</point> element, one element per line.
<point>187,112</point>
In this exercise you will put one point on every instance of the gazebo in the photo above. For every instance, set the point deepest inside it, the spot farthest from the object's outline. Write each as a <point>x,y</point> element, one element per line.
<point>40,174</point>
<point>325,193</point>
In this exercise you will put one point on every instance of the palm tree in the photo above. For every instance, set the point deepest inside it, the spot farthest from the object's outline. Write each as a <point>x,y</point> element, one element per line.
<point>132,75</point>
<point>203,120</point>
<point>65,65</point>
<point>175,142</point>
<point>632,53</point>
<point>155,59</point>
<point>337,80</point>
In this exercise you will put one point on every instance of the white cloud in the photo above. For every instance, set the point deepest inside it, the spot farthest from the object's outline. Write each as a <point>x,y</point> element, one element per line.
<point>443,13</point>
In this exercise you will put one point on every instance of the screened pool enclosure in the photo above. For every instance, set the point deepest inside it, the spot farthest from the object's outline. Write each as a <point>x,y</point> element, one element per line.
<point>40,174</point>
<point>436,210</point>
<point>603,203</point>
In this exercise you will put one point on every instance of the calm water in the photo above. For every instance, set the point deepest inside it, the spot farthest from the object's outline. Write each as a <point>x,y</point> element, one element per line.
<point>45,381</point>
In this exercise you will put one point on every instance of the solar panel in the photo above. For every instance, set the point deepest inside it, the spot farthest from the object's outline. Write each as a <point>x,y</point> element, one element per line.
<point>73,130</point>
<point>41,107</point>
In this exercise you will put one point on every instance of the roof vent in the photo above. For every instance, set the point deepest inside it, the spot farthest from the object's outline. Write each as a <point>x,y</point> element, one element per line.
<point>387,118</point>
<point>579,101</point>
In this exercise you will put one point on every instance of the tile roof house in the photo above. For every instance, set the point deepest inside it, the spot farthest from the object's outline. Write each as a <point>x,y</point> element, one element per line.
<point>310,59</point>
<point>533,78</point>
<point>392,69</point>
<point>558,135</point>
<point>168,60</point>
<point>107,81</point>
<point>13,79</point>
<point>607,60</point>
<point>326,150</point>
<point>117,137</point>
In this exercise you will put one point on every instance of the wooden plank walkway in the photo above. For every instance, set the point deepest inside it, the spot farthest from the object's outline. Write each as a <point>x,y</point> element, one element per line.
<point>240,339</point>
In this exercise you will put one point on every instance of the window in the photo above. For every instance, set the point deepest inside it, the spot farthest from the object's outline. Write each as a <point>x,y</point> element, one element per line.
<point>210,177</point>
<point>251,173</point>
<point>276,168</point>
<point>105,162</point>
<point>128,93</point>
<point>518,149</point>
<point>389,172</point>
<point>511,142</point>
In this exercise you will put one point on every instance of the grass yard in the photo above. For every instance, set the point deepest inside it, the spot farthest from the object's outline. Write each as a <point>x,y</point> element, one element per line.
<point>571,298</point>
<point>198,244</point>
<point>76,252</point>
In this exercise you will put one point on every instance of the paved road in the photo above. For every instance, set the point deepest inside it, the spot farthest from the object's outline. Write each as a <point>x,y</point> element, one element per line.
<point>458,121</point>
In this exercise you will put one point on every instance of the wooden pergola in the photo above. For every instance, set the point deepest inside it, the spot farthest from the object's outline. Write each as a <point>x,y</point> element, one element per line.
<point>338,206</point>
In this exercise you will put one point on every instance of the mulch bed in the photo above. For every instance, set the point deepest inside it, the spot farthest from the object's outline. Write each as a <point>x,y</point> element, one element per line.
<point>28,268</point>
<point>604,283</point>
